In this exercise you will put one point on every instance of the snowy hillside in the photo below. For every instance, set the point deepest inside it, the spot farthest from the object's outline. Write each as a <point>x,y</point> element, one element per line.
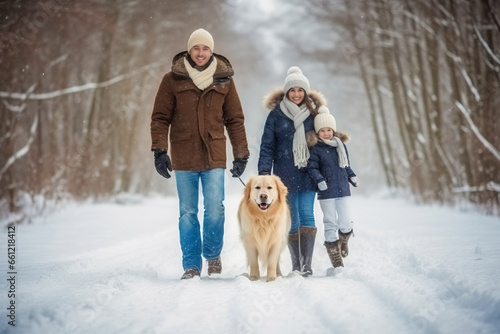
<point>115,268</point>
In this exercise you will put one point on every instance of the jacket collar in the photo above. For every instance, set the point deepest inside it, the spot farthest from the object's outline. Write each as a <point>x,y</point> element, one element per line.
<point>223,70</point>
<point>273,99</point>
<point>314,140</point>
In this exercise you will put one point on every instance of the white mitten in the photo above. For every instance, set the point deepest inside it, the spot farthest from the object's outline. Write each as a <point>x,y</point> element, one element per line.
<point>354,181</point>
<point>322,186</point>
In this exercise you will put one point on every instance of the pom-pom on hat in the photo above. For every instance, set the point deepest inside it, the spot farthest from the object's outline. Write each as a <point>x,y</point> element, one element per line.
<point>324,120</point>
<point>295,78</point>
<point>200,36</point>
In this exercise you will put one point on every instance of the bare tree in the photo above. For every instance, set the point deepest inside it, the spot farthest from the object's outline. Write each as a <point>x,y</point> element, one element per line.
<point>78,83</point>
<point>440,65</point>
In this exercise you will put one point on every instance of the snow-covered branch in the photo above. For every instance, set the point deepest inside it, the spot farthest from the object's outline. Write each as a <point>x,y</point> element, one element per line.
<point>20,108</point>
<point>474,128</point>
<point>75,89</point>
<point>473,88</point>
<point>495,57</point>
<point>419,21</point>
<point>13,108</point>
<point>458,60</point>
<point>23,150</point>
<point>450,17</point>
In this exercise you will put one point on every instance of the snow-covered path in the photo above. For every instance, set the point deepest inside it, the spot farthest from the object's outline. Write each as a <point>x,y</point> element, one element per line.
<point>115,268</point>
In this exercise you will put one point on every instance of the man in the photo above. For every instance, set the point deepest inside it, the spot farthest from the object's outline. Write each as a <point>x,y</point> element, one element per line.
<point>196,100</point>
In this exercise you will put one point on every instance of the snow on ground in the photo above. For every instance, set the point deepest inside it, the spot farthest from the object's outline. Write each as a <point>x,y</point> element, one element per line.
<point>115,268</point>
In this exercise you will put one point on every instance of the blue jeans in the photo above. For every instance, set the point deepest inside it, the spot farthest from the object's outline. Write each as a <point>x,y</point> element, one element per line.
<point>301,205</point>
<point>192,244</point>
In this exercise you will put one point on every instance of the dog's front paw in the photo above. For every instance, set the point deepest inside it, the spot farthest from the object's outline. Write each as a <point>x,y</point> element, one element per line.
<point>270,278</point>
<point>254,278</point>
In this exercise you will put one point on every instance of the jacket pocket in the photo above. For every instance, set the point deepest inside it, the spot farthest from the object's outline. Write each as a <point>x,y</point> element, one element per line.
<point>182,148</point>
<point>217,145</point>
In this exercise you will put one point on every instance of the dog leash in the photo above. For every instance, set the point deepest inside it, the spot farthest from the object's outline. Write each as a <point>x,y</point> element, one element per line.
<point>239,178</point>
<point>243,183</point>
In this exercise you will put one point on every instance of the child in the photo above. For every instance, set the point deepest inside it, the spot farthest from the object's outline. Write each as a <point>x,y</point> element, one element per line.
<point>329,167</point>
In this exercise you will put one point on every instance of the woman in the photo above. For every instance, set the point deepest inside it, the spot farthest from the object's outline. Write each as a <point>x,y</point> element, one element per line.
<point>284,151</point>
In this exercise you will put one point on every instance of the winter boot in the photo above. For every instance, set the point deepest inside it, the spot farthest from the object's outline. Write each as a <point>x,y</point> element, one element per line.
<point>190,273</point>
<point>344,238</point>
<point>307,238</point>
<point>333,250</point>
<point>214,266</point>
<point>293,247</point>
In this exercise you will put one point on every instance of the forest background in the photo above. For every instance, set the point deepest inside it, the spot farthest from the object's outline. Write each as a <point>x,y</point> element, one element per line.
<point>416,83</point>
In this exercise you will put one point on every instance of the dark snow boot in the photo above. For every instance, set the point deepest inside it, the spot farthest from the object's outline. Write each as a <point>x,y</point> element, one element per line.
<point>190,273</point>
<point>343,239</point>
<point>293,247</point>
<point>214,266</point>
<point>307,238</point>
<point>333,250</point>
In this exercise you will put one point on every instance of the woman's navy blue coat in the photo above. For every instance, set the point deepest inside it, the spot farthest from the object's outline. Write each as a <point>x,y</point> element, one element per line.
<point>324,166</point>
<point>276,152</point>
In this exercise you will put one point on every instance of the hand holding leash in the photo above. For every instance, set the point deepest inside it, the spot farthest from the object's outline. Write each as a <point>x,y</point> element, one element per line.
<point>239,166</point>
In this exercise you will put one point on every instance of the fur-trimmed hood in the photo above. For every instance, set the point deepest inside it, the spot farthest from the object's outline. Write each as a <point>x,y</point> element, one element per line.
<point>274,98</point>
<point>223,70</point>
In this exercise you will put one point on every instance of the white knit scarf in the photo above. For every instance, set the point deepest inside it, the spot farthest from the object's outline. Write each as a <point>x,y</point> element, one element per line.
<point>202,79</point>
<point>336,142</point>
<point>298,115</point>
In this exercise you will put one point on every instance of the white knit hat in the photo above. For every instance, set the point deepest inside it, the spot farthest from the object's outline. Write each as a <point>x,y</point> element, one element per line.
<point>295,78</point>
<point>324,120</point>
<point>200,36</point>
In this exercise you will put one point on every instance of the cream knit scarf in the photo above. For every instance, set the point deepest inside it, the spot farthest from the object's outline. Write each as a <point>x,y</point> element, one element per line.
<point>298,115</point>
<point>336,142</point>
<point>202,79</point>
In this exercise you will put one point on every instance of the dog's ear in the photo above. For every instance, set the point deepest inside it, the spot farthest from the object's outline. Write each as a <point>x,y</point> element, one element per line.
<point>282,189</point>
<point>248,188</point>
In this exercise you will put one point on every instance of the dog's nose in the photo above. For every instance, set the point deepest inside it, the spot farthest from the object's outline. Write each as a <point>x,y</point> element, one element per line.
<point>263,197</point>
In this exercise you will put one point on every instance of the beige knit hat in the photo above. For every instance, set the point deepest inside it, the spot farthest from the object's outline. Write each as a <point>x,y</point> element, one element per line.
<point>200,36</point>
<point>295,78</point>
<point>324,120</point>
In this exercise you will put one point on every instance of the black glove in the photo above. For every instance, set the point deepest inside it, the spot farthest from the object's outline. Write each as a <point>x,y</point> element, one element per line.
<point>239,166</point>
<point>163,163</point>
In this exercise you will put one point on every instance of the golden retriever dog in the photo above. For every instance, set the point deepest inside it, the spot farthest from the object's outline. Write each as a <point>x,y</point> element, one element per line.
<point>264,219</point>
